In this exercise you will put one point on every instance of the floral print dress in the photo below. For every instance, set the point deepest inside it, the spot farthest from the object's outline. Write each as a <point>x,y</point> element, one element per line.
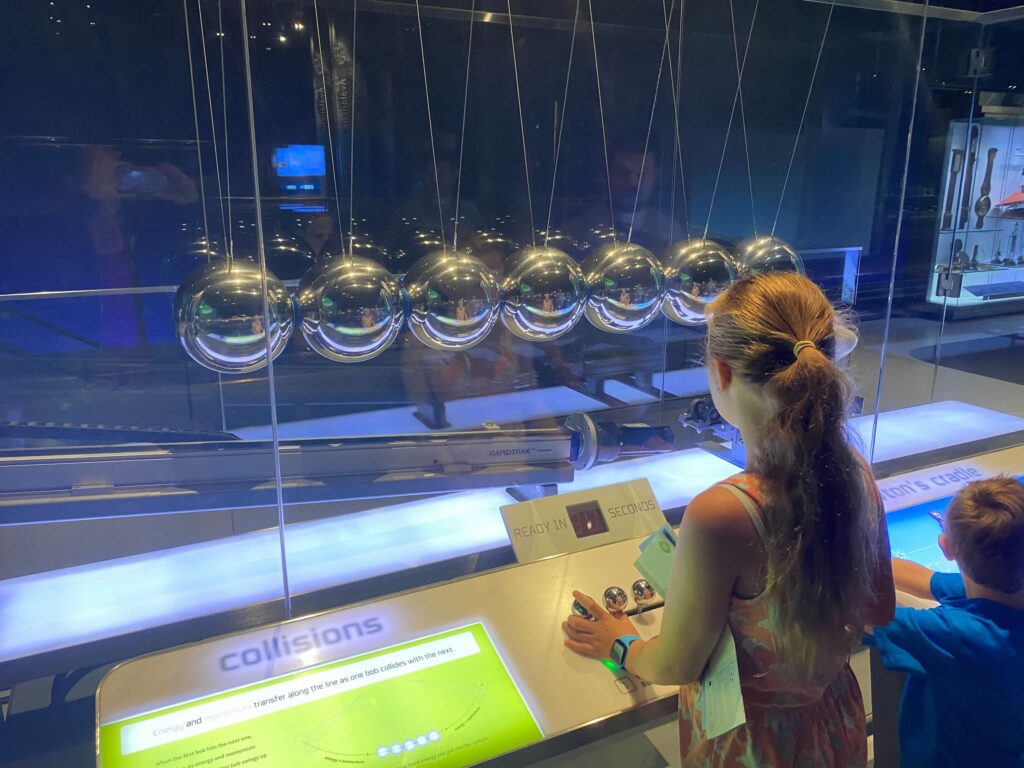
<point>794,720</point>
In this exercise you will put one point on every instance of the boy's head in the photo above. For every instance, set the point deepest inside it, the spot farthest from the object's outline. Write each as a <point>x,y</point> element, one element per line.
<point>984,533</point>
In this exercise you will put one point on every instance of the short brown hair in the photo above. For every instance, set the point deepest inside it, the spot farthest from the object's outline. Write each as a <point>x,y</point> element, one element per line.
<point>985,528</point>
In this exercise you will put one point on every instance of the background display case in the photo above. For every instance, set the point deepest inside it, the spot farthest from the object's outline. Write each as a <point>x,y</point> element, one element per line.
<point>981,229</point>
<point>296,296</point>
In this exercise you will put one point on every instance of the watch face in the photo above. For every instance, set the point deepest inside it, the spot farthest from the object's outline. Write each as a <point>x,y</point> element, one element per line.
<point>983,207</point>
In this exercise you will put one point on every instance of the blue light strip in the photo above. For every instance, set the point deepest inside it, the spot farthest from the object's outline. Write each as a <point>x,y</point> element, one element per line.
<point>58,609</point>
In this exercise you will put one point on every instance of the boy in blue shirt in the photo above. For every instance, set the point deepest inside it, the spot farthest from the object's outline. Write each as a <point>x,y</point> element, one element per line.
<point>963,704</point>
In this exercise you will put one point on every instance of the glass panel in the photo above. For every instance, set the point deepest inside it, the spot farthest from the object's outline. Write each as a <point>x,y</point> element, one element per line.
<point>134,517</point>
<point>950,351</point>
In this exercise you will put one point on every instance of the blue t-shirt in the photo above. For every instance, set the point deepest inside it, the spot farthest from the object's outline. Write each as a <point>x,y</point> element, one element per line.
<point>963,704</point>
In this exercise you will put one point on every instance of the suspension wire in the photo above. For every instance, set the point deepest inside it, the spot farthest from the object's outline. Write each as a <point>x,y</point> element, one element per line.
<point>195,119</point>
<point>327,118</point>
<point>743,112</point>
<point>899,229</point>
<point>352,144</point>
<point>800,127</point>
<point>229,235</point>
<point>561,124</point>
<point>600,109</point>
<point>522,124</point>
<point>675,105</point>
<point>650,126</point>
<point>213,124</point>
<point>430,125</point>
<point>732,115</point>
<point>462,134</point>
<point>261,255</point>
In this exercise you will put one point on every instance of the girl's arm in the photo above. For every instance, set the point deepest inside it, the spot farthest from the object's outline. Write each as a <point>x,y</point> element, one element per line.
<point>715,542</point>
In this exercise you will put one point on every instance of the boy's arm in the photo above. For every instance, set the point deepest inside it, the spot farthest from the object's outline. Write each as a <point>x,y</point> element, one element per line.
<point>912,578</point>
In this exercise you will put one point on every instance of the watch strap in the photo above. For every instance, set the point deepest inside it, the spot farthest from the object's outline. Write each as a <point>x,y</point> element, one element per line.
<point>620,648</point>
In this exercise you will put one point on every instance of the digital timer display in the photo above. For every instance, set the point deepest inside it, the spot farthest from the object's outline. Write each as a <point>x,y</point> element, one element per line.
<point>587,519</point>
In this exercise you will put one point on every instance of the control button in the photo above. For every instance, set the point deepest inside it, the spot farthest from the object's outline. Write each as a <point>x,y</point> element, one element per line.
<point>625,685</point>
<point>643,594</point>
<point>579,610</point>
<point>615,599</point>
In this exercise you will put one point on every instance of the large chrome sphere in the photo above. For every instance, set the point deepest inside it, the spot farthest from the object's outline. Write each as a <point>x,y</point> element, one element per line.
<point>545,293</point>
<point>219,317</point>
<point>696,272</point>
<point>626,286</point>
<point>762,254</point>
<point>453,300</point>
<point>352,309</point>
<point>287,257</point>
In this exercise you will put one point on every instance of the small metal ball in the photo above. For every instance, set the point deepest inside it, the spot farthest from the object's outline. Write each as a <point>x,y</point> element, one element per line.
<point>453,300</point>
<point>219,317</point>
<point>696,272</point>
<point>626,287</point>
<point>615,599</point>
<point>643,593</point>
<point>763,254</point>
<point>352,309</point>
<point>579,610</point>
<point>544,292</point>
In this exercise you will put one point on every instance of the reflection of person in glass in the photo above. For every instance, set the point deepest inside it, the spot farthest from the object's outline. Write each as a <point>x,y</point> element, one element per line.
<point>461,313</point>
<point>116,189</point>
<point>633,184</point>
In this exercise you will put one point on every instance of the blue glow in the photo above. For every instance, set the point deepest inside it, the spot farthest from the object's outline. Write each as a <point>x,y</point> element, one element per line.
<point>57,609</point>
<point>300,160</point>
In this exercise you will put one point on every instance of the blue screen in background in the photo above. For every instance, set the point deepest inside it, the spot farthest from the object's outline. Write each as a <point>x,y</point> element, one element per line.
<point>300,160</point>
<point>914,535</point>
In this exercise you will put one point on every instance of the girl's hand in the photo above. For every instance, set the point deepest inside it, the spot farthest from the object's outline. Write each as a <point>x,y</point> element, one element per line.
<point>595,638</point>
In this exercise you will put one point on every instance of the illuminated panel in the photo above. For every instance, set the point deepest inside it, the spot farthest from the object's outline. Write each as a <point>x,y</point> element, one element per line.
<point>47,611</point>
<point>447,699</point>
<point>928,427</point>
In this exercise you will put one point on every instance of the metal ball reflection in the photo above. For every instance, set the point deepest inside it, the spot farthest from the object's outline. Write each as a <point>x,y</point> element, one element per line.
<point>626,286</point>
<point>453,300</point>
<point>593,237</point>
<point>545,294</point>
<point>696,272</point>
<point>219,317</point>
<point>615,600</point>
<point>643,593</point>
<point>287,257</point>
<point>578,609</point>
<point>763,254</point>
<point>563,241</point>
<point>352,309</point>
<point>413,247</point>
<point>492,246</point>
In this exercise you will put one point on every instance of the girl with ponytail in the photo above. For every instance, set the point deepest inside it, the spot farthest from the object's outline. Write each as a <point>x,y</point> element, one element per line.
<point>792,556</point>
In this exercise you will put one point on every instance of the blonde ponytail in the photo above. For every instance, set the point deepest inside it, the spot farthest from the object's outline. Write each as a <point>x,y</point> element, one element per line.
<point>821,526</point>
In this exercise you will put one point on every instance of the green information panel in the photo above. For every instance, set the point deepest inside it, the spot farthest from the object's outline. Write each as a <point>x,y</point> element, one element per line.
<point>444,700</point>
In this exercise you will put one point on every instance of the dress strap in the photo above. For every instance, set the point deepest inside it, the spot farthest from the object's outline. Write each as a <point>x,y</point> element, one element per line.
<point>753,509</point>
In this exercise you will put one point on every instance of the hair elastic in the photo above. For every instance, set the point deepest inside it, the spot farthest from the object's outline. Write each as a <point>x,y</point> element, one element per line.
<point>800,346</point>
